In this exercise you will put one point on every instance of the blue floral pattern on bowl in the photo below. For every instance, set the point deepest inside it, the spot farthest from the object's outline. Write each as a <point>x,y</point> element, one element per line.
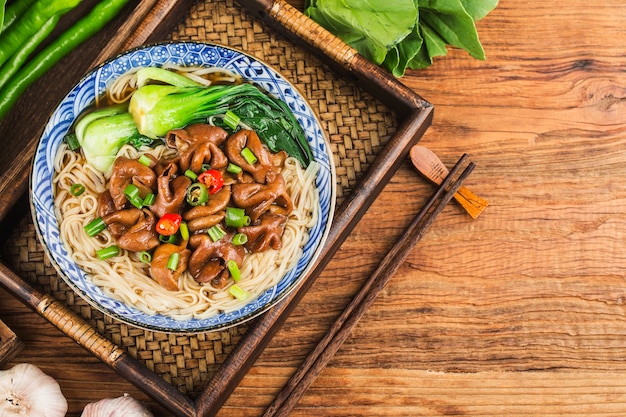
<point>84,94</point>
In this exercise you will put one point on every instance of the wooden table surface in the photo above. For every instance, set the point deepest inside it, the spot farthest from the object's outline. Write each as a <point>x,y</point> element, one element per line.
<point>519,312</point>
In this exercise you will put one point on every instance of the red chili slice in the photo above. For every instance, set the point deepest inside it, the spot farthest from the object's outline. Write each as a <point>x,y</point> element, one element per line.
<point>213,179</point>
<point>168,224</point>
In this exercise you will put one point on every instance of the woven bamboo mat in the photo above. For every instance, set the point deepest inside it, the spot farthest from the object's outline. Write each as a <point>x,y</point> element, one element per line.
<point>357,125</point>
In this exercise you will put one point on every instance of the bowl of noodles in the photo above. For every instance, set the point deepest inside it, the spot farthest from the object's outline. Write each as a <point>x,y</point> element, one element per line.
<point>183,187</point>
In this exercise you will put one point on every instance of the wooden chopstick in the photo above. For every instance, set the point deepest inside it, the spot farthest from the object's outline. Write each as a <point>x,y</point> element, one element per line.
<point>319,357</point>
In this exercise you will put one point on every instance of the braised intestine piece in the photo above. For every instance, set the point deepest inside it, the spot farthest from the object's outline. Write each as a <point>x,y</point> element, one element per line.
<point>258,198</point>
<point>133,229</point>
<point>260,190</point>
<point>207,263</point>
<point>159,270</point>
<point>127,171</point>
<point>203,217</point>
<point>266,233</point>
<point>198,144</point>
<point>249,139</point>
<point>171,191</point>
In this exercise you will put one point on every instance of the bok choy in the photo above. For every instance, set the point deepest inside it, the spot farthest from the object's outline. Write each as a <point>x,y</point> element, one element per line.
<point>165,100</point>
<point>159,108</point>
<point>101,134</point>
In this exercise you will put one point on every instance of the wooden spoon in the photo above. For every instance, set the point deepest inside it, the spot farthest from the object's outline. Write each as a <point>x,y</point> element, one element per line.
<point>430,166</point>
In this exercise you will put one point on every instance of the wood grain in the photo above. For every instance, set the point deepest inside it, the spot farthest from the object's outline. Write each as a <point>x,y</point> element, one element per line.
<point>520,312</point>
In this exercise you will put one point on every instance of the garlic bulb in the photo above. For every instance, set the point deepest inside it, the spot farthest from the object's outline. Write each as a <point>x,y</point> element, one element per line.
<point>124,406</point>
<point>26,391</point>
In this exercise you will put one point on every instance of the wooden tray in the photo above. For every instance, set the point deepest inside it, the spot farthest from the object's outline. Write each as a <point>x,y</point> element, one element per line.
<point>387,119</point>
<point>10,344</point>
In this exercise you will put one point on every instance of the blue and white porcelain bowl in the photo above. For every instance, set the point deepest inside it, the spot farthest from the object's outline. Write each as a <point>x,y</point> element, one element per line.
<point>84,94</point>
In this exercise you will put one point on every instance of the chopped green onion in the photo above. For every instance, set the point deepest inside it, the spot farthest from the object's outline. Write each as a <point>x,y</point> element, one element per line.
<point>238,292</point>
<point>231,119</point>
<point>131,191</point>
<point>233,168</point>
<point>108,252</point>
<point>236,217</point>
<point>240,239</point>
<point>172,262</point>
<point>197,194</point>
<point>167,239</point>
<point>145,257</point>
<point>72,141</point>
<point>95,226</point>
<point>145,160</point>
<point>190,174</point>
<point>184,231</point>
<point>149,200</point>
<point>248,155</point>
<point>205,167</point>
<point>233,268</point>
<point>216,233</point>
<point>77,189</point>
<point>132,194</point>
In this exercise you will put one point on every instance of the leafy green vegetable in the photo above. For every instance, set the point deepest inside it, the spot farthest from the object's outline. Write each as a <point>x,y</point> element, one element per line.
<point>391,40</point>
<point>158,108</point>
<point>275,124</point>
<point>155,109</point>
<point>456,27</point>
<point>101,133</point>
<point>371,27</point>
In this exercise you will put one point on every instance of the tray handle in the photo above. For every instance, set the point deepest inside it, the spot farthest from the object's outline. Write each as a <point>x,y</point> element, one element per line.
<point>316,35</point>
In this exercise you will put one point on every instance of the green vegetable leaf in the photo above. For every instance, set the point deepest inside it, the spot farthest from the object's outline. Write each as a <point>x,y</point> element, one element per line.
<point>275,124</point>
<point>102,132</point>
<point>450,20</point>
<point>402,55</point>
<point>434,45</point>
<point>479,9</point>
<point>371,27</point>
<point>158,108</point>
<point>380,30</point>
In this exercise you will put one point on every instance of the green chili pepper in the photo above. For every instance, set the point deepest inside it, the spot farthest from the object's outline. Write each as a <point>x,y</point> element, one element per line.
<point>3,3</point>
<point>30,23</point>
<point>89,25</point>
<point>14,11</point>
<point>197,194</point>
<point>77,189</point>
<point>13,64</point>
